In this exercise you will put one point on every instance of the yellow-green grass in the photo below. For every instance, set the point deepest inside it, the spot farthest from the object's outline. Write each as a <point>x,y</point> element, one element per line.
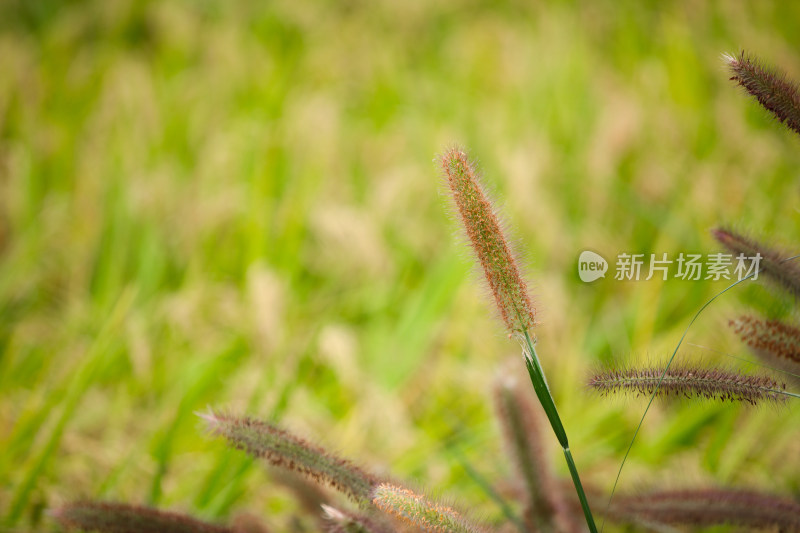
<point>234,204</point>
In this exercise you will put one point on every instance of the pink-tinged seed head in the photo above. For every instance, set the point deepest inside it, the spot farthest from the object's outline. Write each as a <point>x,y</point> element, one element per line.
<point>108,517</point>
<point>420,512</point>
<point>280,448</point>
<point>708,507</point>
<point>778,340</point>
<point>690,382</point>
<point>490,245</point>
<point>772,341</point>
<point>777,266</point>
<point>773,90</point>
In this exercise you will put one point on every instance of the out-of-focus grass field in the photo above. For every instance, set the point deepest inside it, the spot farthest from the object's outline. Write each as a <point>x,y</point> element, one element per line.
<point>234,204</point>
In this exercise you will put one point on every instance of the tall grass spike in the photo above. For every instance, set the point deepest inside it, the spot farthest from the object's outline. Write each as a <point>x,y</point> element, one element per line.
<point>416,510</point>
<point>486,237</point>
<point>709,507</point>
<point>280,448</point>
<point>777,266</point>
<point>777,344</point>
<point>688,382</point>
<point>121,518</point>
<point>774,90</point>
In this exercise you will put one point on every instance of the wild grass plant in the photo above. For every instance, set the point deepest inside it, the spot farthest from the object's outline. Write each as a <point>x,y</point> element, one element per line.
<point>386,505</point>
<point>177,254</point>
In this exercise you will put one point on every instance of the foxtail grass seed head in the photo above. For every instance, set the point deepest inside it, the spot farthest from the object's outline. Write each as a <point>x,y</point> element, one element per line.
<point>119,518</point>
<point>775,265</point>
<point>280,448</point>
<point>687,382</point>
<point>775,343</point>
<point>708,507</point>
<point>774,91</point>
<point>416,510</point>
<point>486,237</point>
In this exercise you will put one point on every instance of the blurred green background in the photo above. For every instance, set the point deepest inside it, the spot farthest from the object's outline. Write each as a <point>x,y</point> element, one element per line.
<point>234,204</point>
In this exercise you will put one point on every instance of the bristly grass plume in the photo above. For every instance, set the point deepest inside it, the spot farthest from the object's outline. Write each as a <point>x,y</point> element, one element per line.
<point>280,448</point>
<point>121,518</point>
<point>774,90</point>
<point>486,237</point>
<point>690,382</point>
<point>777,266</point>
<point>418,511</point>
<point>708,507</point>
<point>775,343</point>
<point>484,231</point>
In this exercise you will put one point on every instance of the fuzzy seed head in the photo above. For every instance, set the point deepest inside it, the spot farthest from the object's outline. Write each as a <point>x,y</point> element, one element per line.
<point>491,248</point>
<point>120,518</point>
<point>708,507</point>
<point>773,90</point>
<point>775,265</point>
<point>282,449</point>
<point>687,382</point>
<point>416,510</point>
<point>775,343</point>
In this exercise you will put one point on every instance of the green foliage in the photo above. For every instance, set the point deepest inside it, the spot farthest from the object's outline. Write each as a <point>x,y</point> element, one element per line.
<point>231,204</point>
<point>544,502</point>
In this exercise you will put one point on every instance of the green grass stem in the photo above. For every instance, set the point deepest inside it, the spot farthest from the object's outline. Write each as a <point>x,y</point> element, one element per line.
<point>666,368</point>
<point>539,382</point>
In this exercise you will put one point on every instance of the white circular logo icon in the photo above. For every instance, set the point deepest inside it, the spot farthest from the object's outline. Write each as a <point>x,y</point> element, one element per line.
<point>591,266</point>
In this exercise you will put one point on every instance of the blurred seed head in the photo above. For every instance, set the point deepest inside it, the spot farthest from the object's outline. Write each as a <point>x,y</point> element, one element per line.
<point>282,449</point>
<point>777,266</point>
<point>775,343</point>
<point>708,507</point>
<point>121,518</point>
